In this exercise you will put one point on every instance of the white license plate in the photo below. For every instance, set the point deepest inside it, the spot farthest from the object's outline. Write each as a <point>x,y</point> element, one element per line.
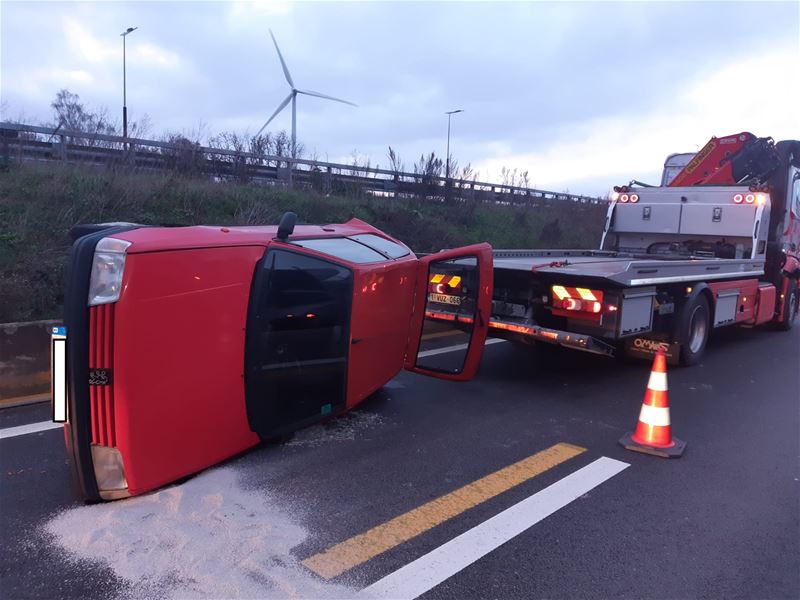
<point>58,373</point>
<point>444,299</point>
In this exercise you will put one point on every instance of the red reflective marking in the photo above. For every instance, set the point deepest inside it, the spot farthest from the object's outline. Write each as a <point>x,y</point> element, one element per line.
<point>659,436</point>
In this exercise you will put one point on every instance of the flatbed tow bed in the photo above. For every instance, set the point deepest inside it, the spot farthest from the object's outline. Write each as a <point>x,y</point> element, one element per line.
<point>624,268</point>
<point>608,270</point>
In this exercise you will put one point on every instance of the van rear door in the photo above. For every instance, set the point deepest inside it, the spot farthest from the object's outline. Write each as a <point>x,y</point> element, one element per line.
<point>451,313</point>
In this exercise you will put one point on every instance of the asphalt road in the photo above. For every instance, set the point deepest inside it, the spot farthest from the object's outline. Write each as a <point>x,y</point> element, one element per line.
<point>723,521</point>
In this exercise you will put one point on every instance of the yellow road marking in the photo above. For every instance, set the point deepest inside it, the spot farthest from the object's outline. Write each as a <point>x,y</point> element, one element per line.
<point>430,336</point>
<point>361,548</point>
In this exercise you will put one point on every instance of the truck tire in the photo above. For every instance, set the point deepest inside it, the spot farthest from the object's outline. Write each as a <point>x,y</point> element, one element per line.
<point>692,330</point>
<point>790,306</point>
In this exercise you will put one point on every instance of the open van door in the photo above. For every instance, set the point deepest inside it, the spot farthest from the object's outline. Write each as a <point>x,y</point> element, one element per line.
<point>452,306</point>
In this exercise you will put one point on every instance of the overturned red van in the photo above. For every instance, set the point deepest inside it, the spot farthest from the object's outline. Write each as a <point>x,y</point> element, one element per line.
<point>188,345</point>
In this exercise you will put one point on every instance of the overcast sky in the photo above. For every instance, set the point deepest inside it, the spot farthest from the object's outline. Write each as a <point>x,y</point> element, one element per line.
<point>582,95</point>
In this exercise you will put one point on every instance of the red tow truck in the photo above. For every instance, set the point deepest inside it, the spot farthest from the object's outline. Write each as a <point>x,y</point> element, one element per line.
<point>717,244</point>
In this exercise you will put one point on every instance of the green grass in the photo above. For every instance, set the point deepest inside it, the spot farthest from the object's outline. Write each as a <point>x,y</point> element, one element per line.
<point>39,204</point>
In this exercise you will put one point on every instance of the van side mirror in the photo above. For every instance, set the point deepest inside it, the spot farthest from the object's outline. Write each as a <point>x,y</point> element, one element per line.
<point>286,226</point>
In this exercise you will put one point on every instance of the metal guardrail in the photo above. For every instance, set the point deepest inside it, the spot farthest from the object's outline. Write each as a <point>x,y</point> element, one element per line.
<point>30,143</point>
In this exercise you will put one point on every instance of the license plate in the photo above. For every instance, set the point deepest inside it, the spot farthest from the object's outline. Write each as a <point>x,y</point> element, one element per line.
<point>58,373</point>
<point>444,299</point>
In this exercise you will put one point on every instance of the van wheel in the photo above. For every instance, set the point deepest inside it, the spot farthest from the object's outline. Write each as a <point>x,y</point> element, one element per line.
<point>789,308</point>
<point>692,330</point>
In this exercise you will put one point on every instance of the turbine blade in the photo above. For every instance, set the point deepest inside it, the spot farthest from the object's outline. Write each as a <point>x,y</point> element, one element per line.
<point>281,106</point>
<point>318,95</point>
<point>283,62</point>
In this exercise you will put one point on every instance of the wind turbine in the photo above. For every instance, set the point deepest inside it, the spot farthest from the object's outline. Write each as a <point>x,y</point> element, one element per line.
<point>292,97</point>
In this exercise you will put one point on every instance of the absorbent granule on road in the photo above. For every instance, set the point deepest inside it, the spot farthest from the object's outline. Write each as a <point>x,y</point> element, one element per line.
<point>206,538</point>
<point>343,428</point>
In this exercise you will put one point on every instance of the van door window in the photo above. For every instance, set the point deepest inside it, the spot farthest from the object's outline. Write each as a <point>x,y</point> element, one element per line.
<point>297,342</point>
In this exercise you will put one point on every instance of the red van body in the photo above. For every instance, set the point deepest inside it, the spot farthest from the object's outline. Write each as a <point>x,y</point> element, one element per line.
<point>197,343</point>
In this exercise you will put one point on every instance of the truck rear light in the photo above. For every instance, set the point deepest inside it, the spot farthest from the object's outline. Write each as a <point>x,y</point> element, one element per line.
<point>624,198</point>
<point>571,300</point>
<point>581,305</point>
<point>750,198</point>
<point>634,198</point>
<point>738,198</point>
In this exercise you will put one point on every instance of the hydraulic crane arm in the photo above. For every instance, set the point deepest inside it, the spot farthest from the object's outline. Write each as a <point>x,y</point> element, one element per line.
<point>730,160</point>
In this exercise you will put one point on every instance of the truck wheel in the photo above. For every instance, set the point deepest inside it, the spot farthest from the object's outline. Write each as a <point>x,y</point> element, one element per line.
<point>789,308</point>
<point>692,331</point>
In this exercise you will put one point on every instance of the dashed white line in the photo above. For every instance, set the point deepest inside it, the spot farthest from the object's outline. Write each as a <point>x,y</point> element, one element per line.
<point>433,568</point>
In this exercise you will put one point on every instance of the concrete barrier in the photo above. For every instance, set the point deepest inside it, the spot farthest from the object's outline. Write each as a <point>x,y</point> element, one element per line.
<point>24,361</point>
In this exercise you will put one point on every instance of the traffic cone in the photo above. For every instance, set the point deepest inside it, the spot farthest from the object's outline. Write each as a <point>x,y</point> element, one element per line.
<point>653,433</point>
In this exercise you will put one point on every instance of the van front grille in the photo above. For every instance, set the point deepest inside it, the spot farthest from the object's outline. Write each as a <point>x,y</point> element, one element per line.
<point>101,359</point>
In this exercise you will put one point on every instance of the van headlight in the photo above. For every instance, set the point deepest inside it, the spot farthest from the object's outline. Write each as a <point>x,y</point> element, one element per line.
<point>108,266</point>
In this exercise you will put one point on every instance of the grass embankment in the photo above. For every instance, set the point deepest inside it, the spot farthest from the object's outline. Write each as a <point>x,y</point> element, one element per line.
<point>38,206</point>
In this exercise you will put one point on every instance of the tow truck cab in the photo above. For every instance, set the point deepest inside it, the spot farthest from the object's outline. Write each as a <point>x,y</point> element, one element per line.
<point>186,346</point>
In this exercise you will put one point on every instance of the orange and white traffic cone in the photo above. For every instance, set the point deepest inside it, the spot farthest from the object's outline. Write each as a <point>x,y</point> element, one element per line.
<point>653,433</point>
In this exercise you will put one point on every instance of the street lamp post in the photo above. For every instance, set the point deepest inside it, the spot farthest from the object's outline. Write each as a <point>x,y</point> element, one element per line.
<point>124,34</point>
<point>447,159</point>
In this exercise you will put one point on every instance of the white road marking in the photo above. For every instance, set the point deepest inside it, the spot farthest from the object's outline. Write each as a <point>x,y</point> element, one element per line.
<point>10,432</point>
<point>455,348</point>
<point>440,564</point>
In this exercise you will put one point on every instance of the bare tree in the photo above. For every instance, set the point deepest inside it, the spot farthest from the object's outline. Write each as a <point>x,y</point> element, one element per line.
<point>395,164</point>
<point>426,172</point>
<point>73,115</point>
